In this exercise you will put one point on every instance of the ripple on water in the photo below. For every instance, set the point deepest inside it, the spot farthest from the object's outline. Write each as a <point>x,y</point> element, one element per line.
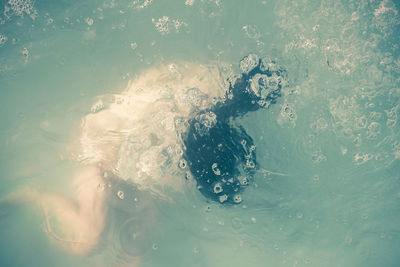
<point>237,224</point>
<point>135,238</point>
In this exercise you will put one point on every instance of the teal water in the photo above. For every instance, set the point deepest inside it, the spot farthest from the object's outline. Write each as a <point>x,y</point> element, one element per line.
<point>327,192</point>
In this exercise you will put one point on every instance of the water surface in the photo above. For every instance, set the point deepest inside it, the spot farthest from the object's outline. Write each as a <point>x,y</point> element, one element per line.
<point>327,192</point>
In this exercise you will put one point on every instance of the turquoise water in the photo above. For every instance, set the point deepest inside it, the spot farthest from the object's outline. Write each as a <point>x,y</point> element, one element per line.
<point>327,192</point>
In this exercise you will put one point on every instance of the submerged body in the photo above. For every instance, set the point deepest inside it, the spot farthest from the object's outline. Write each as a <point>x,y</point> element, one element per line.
<point>166,116</point>
<point>127,138</point>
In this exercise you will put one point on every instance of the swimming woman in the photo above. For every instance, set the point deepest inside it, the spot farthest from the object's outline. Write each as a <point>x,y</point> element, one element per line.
<point>177,115</point>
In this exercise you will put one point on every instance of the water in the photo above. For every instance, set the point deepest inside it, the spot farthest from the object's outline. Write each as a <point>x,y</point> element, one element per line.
<point>327,190</point>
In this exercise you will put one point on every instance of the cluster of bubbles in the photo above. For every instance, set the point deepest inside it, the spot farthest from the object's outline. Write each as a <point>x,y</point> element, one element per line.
<point>121,194</point>
<point>25,53</point>
<point>164,24</point>
<point>358,62</point>
<point>318,156</point>
<point>215,169</point>
<point>287,116</point>
<point>3,39</point>
<point>19,7</point>
<point>89,21</point>
<point>360,158</point>
<point>189,2</point>
<point>267,77</point>
<point>205,121</point>
<point>140,4</point>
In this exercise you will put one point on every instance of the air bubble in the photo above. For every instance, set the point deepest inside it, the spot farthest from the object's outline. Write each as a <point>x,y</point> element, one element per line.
<point>178,24</point>
<point>25,53</point>
<point>244,180</point>
<point>98,106</point>
<point>318,156</point>
<point>178,150</point>
<point>218,188</point>
<point>215,169</point>
<point>362,158</point>
<point>263,103</point>
<point>3,39</point>
<point>223,198</point>
<point>182,164</point>
<point>89,21</point>
<point>237,198</point>
<point>101,187</point>
<point>189,2</point>
<point>21,6</point>
<point>120,194</point>
<point>162,25</point>
<point>140,4</point>
<point>154,246</point>
<point>250,164</point>
<point>287,115</point>
<point>357,141</point>
<point>188,176</point>
<point>133,45</point>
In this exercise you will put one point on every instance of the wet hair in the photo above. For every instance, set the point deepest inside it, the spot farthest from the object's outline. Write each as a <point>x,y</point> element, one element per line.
<point>219,153</point>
